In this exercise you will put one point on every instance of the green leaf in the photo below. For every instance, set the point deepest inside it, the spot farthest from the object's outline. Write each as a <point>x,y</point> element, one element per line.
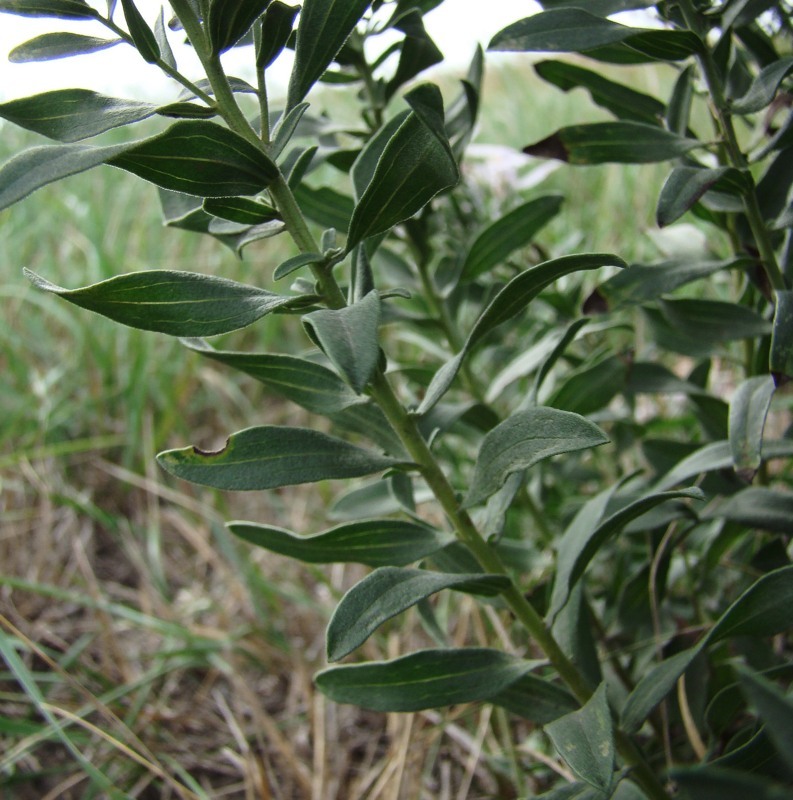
<point>781,358</point>
<point>416,164</point>
<point>509,302</point>
<point>612,142</point>
<point>323,28</point>
<point>176,303</point>
<point>242,210</point>
<point>310,385</point>
<point>270,456</point>
<point>284,129</point>
<point>348,336</point>
<point>228,22</point>
<point>142,35</point>
<point>297,262</point>
<point>50,46</point>
<point>764,87</point>
<point>276,30</point>
<point>61,9</point>
<point>186,111</point>
<point>374,542</point>
<point>523,440</point>
<point>641,284</point>
<point>417,53</point>
<point>389,591</point>
<point>535,699</point>
<point>774,709</point>
<point>69,115</point>
<point>686,185</point>
<point>713,321</point>
<point>163,45</point>
<point>365,164</point>
<point>585,740</point>
<point>592,388</point>
<point>757,507</point>
<point>426,679</point>
<point>748,412</point>
<point>583,539</point>
<point>603,8</point>
<point>717,783</point>
<point>622,101</point>
<point>325,206</point>
<point>507,234</point>
<point>201,158</point>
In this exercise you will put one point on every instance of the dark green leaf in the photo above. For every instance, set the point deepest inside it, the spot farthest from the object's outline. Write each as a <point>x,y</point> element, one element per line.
<point>271,456</point>
<point>585,740</point>
<point>678,112</point>
<point>69,115</point>
<point>284,129</point>
<point>276,30</point>
<point>781,358</point>
<point>509,302</point>
<point>242,210</point>
<point>603,8</point>
<point>427,679</point>
<point>176,303</point>
<point>774,709</point>
<point>326,206</point>
<point>310,385</point>
<point>142,35</point>
<point>228,21</point>
<point>295,263</point>
<point>201,158</point>
<point>589,389</point>
<point>507,234</point>
<point>62,9</point>
<point>713,321</point>
<point>622,101</point>
<point>523,440</point>
<point>748,411</point>
<point>375,542</point>
<point>612,142</point>
<point>686,185</point>
<point>416,164</point>
<point>583,539</point>
<point>417,53</point>
<point>323,28</point>
<point>389,591</point>
<point>50,46</point>
<point>186,111</point>
<point>163,45</point>
<point>365,164</point>
<point>717,783</point>
<point>348,336</point>
<point>535,699</point>
<point>764,87</point>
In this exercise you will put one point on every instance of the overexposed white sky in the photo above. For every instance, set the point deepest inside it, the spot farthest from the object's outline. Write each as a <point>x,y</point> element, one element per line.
<point>457,25</point>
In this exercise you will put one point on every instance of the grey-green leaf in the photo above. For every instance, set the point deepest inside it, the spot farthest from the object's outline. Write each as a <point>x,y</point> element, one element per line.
<point>686,185</point>
<point>524,439</point>
<point>348,336</point>
<point>774,708</point>
<point>61,9</point>
<point>748,411</point>
<point>228,22</point>
<point>426,679</point>
<point>718,783</point>
<point>585,740</point>
<point>758,507</point>
<point>323,28</point>
<point>764,87</point>
<point>535,699</point>
<point>781,358</point>
<point>176,303</point>
<point>70,115</point>
<point>374,542</point>
<point>509,233</point>
<point>142,35</point>
<point>389,591</point>
<point>50,46</point>
<point>270,456</point>
<point>312,386</point>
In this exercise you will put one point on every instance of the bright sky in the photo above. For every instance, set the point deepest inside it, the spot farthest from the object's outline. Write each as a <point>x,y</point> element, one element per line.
<point>456,26</point>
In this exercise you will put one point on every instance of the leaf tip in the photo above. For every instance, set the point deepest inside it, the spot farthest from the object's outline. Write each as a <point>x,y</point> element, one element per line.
<point>550,147</point>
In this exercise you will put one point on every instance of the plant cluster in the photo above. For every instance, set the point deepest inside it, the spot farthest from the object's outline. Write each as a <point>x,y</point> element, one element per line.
<point>635,590</point>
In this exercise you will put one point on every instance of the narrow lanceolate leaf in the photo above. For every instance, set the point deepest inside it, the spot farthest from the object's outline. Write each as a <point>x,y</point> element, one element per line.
<point>70,115</point>
<point>276,30</point>
<point>416,164</point>
<point>50,46</point>
<point>585,740</point>
<point>348,336</point>
<point>612,142</point>
<point>323,28</point>
<point>535,699</point>
<point>312,386</point>
<point>427,679</point>
<point>686,185</point>
<point>758,507</point>
<point>295,263</point>
<point>176,303</point>
<point>374,542</point>
<point>513,231</point>
<point>622,101</point>
<point>200,158</point>
<point>271,456</point>
<point>748,411</point>
<point>242,210</point>
<point>142,35</point>
<point>581,542</point>
<point>774,709</point>
<point>62,9</point>
<point>781,358</point>
<point>764,87</point>
<point>509,302</point>
<point>713,321</point>
<point>525,439</point>
<point>229,22</point>
<point>719,783</point>
<point>389,591</point>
